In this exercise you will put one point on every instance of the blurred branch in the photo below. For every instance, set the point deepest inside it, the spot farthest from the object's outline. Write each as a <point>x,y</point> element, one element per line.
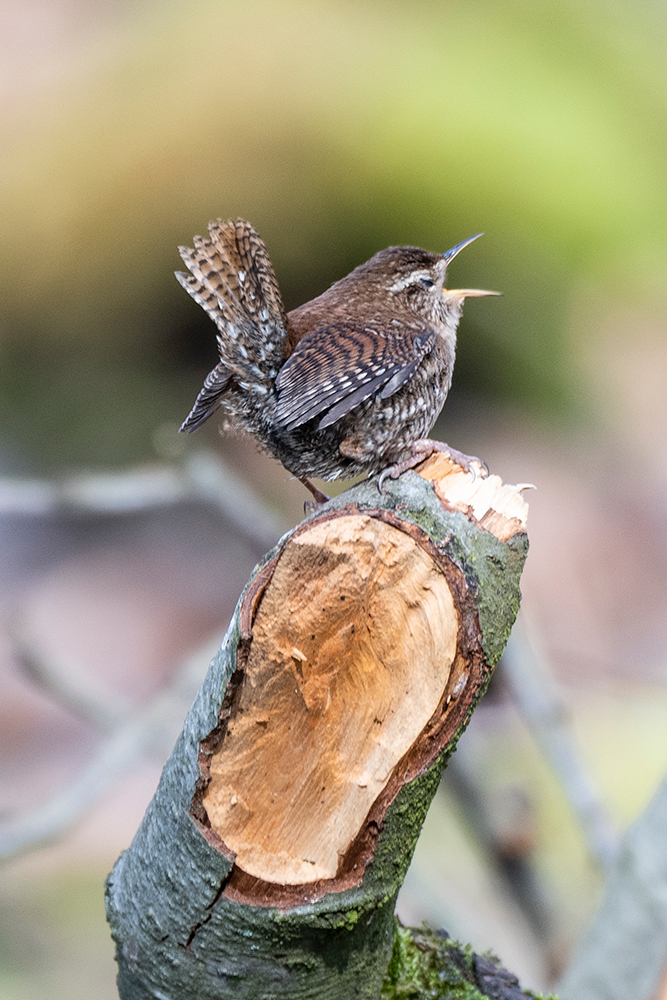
<point>201,476</point>
<point>212,480</point>
<point>533,689</point>
<point>78,694</point>
<point>154,727</point>
<point>625,951</point>
<point>506,834</point>
<point>509,850</point>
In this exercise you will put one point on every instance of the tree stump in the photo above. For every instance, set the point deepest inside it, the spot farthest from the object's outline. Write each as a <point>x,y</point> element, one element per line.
<point>269,861</point>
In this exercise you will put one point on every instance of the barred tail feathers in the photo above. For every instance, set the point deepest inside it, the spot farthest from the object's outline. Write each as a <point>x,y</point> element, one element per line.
<point>232,279</point>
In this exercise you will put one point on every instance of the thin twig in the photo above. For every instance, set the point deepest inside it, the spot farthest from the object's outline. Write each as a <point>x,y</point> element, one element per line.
<point>152,727</point>
<point>77,693</point>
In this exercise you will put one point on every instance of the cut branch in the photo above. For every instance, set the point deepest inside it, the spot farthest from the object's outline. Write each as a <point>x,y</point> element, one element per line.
<point>287,814</point>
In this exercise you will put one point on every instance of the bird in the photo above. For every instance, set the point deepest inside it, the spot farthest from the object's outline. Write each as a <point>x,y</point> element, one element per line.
<point>349,383</point>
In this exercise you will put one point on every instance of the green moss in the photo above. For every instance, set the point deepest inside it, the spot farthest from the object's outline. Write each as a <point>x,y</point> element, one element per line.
<point>402,826</point>
<point>498,569</point>
<point>423,518</point>
<point>347,919</point>
<point>428,965</point>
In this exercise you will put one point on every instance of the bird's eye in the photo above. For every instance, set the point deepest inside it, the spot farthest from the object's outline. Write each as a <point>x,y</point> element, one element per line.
<point>426,282</point>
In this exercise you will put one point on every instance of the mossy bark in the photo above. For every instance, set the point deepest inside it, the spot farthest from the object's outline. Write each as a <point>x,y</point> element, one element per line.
<point>428,965</point>
<point>186,922</point>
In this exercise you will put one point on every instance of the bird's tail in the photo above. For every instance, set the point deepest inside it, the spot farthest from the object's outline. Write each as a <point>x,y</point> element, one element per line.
<point>231,277</point>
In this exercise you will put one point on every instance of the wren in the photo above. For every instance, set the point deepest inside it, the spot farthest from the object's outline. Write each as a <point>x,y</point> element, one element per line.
<point>351,382</point>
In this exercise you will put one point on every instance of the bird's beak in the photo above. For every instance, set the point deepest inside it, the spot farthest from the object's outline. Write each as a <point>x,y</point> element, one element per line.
<point>451,254</point>
<point>462,293</point>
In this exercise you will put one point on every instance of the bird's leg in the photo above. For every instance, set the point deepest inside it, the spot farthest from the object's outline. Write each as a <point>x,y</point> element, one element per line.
<point>318,496</point>
<point>421,449</point>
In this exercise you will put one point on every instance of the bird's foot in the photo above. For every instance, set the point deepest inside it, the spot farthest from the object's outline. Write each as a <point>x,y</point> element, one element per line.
<point>319,498</point>
<point>421,449</point>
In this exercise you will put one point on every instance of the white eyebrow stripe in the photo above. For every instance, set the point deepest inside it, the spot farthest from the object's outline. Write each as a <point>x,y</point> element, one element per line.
<point>409,279</point>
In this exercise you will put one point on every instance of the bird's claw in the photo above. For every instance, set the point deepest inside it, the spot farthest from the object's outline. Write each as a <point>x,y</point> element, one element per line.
<point>476,467</point>
<point>422,449</point>
<point>381,479</point>
<point>469,463</point>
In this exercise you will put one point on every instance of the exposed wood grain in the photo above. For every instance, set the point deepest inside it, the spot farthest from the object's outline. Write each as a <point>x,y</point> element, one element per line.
<point>352,649</point>
<point>493,505</point>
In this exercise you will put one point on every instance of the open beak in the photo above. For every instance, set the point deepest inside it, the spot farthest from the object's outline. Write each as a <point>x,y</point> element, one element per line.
<point>451,254</point>
<point>463,293</point>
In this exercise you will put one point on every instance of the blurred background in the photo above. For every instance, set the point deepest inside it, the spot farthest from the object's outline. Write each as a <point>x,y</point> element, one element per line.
<point>337,128</point>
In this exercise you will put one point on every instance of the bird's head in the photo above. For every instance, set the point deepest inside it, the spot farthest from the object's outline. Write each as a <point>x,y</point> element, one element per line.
<point>416,278</point>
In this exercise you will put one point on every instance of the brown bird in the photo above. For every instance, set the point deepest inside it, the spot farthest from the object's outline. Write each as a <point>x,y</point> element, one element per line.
<point>352,381</point>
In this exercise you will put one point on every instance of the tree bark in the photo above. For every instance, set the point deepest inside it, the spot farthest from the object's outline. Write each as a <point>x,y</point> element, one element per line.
<point>269,861</point>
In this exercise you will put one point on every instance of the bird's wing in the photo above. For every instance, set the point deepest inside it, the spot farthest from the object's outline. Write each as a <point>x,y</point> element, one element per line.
<point>336,367</point>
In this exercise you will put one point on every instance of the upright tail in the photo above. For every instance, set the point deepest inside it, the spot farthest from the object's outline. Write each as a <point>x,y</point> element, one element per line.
<point>232,279</point>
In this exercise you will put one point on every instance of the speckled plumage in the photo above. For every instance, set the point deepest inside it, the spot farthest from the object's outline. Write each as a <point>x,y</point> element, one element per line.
<point>345,383</point>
